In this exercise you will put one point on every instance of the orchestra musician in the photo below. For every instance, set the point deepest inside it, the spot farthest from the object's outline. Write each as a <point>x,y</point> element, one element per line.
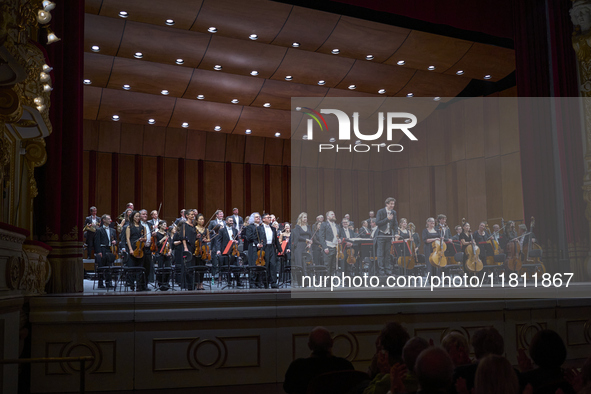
<point>442,219</point>
<point>135,232</point>
<point>238,221</point>
<point>285,235</point>
<point>154,223</point>
<point>403,233</point>
<point>204,237</point>
<point>348,233</point>
<point>162,259</point>
<point>104,238</point>
<point>500,238</point>
<point>188,236</point>
<point>372,215</point>
<point>329,236</point>
<point>465,240</point>
<point>301,238</point>
<point>387,225</point>
<point>316,248</point>
<point>430,235</point>
<point>215,226</point>
<point>364,231</point>
<point>182,218</point>
<point>228,235</point>
<point>480,237</point>
<point>91,224</point>
<point>148,258</point>
<point>251,238</point>
<point>270,244</point>
<point>456,237</point>
<point>128,207</point>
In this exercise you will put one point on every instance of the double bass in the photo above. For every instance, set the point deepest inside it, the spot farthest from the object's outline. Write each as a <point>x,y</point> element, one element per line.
<point>533,246</point>
<point>409,261</point>
<point>513,251</point>
<point>473,263</point>
<point>437,257</point>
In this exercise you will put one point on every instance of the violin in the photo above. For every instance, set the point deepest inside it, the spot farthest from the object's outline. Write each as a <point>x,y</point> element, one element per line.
<point>235,251</point>
<point>340,254</point>
<point>166,247</point>
<point>138,253</point>
<point>473,263</point>
<point>437,257</point>
<point>205,252</point>
<point>154,247</point>
<point>260,261</point>
<point>115,251</point>
<point>351,256</point>
<point>197,247</point>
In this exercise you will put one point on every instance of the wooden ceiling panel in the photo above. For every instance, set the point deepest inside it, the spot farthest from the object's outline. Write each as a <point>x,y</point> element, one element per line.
<point>92,6</point>
<point>155,12</point>
<point>357,38</point>
<point>310,67</point>
<point>241,57</point>
<point>349,93</point>
<point>429,84</point>
<point>148,77</point>
<point>163,44</point>
<point>371,77</point>
<point>310,28</point>
<point>97,68</point>
<point>92,102</point>
<point>421,50</point>
<point>223,87</point>
<point>240,19</point>
<point>104,32</point>
<point>264,122</point>
<point>133,107</point>
<point>483,60</point>
<point>204,115</point>
<point>279,93</point>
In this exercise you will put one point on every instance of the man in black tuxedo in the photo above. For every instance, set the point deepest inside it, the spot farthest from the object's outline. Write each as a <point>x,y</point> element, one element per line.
<point>94,222</point>
<point>348,233</point>
<point>181,219</point>
<point>270,244</point>
<point>238,221</point>
<point>387,227</point>
<point>227,235</point>
<point>154,223</point>
<point>216,225</point>
<point>104,238</point>
<point>252,239</point>
<point>364,231</point>
<point>330,235</point>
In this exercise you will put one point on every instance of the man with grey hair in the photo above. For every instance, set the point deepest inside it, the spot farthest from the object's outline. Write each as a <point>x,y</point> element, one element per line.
<point>91,224</point>
<point>301,371</point>
<point>330,236</point>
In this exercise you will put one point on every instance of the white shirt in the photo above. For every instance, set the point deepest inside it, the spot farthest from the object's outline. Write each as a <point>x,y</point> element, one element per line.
<point>374,231</point>
<point>236,222</point>
<point>94,220</point>
<point>269,234</point>
<point>387,229</point>
<point>333,243</point>
<point>221,223</point>
<point>147,232</point>
<point>230,233</point>
<point>108,234</point>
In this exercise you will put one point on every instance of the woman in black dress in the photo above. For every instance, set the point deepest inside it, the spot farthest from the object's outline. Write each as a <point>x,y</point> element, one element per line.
<point>188,235</point>
<point>317,253</point>
<point>430,235</point>
<point>203,236</point>
<point>135,232</point>
<point>161,258</point>
<point>301,237</point>
<point>465,240</point>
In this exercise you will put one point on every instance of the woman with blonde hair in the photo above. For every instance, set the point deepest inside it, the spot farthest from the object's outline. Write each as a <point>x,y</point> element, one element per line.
<point>301,236</point>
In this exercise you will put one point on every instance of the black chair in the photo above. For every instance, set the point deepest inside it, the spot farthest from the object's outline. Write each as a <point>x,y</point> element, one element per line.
<point>256,271</point>
<point>164,272</point>
<point>205,272</point>
<point>133,277</point>
<point>296,273</point>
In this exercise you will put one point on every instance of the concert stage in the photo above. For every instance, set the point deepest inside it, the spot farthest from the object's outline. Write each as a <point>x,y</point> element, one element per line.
<point>174,339</point>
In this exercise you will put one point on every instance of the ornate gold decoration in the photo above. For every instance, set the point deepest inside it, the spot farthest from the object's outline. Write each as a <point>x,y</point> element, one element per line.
<point>49,235</point>
<point>72,236</point>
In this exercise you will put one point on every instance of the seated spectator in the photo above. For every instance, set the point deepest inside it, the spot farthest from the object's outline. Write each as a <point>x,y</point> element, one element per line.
<point>410,353</point>
<point>495,375</point>
<point>548,352</point>
<point>485,341</point>
<point>391,340</point>
<point>434,370</point>
<point>584,379</point>
<point>457,347</point>
<point>303,370</point>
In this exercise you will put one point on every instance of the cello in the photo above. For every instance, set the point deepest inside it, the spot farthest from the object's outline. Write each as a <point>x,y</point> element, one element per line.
<point>490,260</point>
<point>409,261</point>
<point>513,251</point>
<point>533,246</point>
<point>437,257</point>
<point>473,263</point>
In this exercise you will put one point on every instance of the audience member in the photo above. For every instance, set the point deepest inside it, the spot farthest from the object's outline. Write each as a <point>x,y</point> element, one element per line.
<point>495,375</point>
<point>434,370</point>
<point>391,340</point>
<point>456,345</point>
<point>410,353</point>
<point>548,352</point>
<point>303,370</point>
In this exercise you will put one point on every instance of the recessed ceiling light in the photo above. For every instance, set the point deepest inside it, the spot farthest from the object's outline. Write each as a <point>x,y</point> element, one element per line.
<point>267,105</point>
<point>407,121</point>
<point>235,101</point>
<point>487,76</point>
<point>151,121</point>
<point>332,139</point>
<point>321,82</point>
<point>460,72</point>
<point>335,51</point>
<point>138,55</point>
<point>352,87</point>
<point>254,73</point>
<point>298,108</point>
<point>401,62</point>
<point>218,128</point>
<point>383,144</point>
<point>185,125</point>
<point>217,67</point>
<point>248,131</point>
<point>305,137</point>
<point>295,44</point>
<point>436,98</point>
<point>409,95</point>
<point>115,118</point>
<point>431,68</point>
<point>382,91</point>
<point>126,87</point>
<point>277,134</point>
<point>169,22</point>
<point>288,77</point>
<point>369,57</point>
<point>164,92</point>
<point>200,97</point>
<point>253,37</point>
<point>212,30</point>
<point>123,14</point>
<point>95,48</point>
<point>357,142</point>
<point>179,61</point>
<point>87,82</point>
